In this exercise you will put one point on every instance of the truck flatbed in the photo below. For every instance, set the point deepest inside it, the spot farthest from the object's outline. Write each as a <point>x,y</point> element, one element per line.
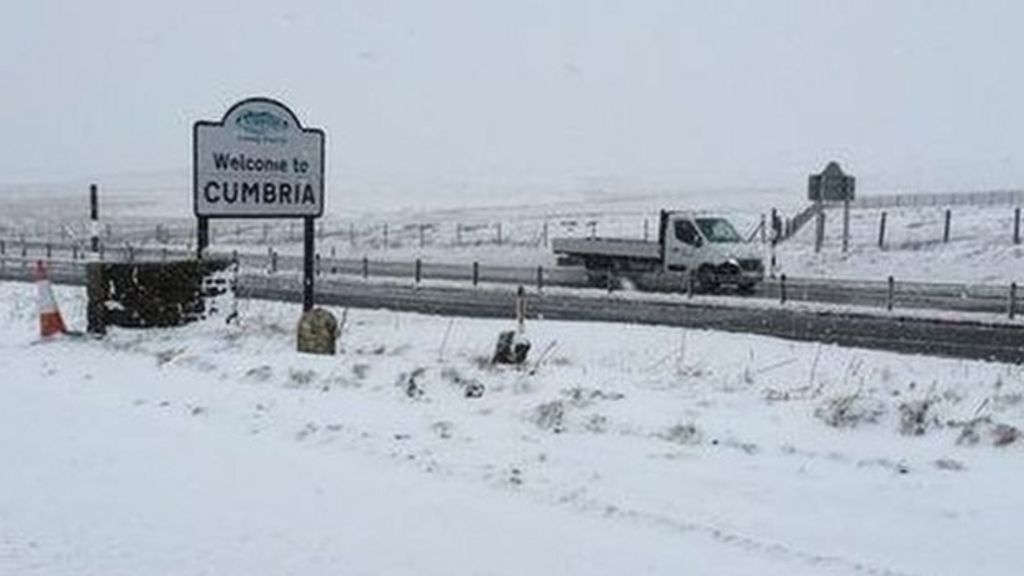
<point>610,247</point>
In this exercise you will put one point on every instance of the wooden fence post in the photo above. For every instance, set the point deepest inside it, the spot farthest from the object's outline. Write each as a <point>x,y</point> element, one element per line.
<point>1016,225</point>
<point>881,232</point>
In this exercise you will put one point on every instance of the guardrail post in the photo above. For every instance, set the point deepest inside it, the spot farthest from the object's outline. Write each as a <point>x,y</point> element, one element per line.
<point>366,268</point>
<point>540,278</point>
<point>782,289</point>
<point>945,228</point>
<point>49,251</point>
<point>476,273</point>
<point>890,294</point>
<point>419,270</point>
<point>273,261</point>
<point>521,309</point>
<point>1016,225</point>
<point>881,232</point>
<point>1013,300</point>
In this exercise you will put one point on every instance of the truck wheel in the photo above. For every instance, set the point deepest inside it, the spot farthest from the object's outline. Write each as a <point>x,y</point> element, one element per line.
<point>707,280</point>
<point>746,287</point>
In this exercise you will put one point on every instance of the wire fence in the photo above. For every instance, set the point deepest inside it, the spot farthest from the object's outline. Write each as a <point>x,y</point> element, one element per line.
<point>910,200</point>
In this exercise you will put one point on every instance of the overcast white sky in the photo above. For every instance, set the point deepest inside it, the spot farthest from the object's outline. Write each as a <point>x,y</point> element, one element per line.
<point>419,95</point>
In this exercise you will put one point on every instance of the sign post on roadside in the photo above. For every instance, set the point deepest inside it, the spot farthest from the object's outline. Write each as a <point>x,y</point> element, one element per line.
<point>832,185</point>
<point>258,161</point>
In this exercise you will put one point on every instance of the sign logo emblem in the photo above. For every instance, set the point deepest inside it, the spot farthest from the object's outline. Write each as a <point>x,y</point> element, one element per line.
<point>261,122</point>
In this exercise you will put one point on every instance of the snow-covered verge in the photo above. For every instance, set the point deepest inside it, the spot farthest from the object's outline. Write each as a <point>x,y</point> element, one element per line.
<point>619,449</point>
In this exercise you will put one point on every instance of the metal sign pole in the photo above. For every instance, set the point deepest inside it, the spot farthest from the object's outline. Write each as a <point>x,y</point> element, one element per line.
<point>202,235</point>
<point>846,225</point>
<point>309,238</point>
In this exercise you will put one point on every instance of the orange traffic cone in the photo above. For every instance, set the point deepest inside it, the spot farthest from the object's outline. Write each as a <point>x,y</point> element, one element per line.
<point>50,322</point>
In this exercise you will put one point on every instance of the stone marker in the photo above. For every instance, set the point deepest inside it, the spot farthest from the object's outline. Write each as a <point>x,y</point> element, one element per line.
<point>318,332</point>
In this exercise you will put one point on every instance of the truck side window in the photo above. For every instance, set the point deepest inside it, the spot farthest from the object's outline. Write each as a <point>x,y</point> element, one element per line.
<point>686,232</point>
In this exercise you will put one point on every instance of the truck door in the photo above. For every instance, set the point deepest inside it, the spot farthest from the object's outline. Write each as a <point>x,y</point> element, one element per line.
<point>682,244</point>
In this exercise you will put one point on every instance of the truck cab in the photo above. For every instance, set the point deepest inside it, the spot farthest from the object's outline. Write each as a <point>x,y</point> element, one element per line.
<point>708,248</point>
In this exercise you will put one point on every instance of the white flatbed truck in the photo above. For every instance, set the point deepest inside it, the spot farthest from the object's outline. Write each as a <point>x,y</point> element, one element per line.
<point>693,251</point>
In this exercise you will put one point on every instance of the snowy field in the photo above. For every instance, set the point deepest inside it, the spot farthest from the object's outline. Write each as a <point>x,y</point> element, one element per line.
<point>620,449</point>
<point>980,248</point>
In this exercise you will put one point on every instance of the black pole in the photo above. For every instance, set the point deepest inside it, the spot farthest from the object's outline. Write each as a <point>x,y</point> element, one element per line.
<point>890,294</point>
<point>540,278</point>
<point>1013,300</point>
<point>94,217</point>
<point>202,235</point>
<point>476,273</point>
<point>945,229</point>
<point>782,289</point>
<point>309,241</point>
<point>881,232</point>
<point>1016,226</point>
<point>419,270</point>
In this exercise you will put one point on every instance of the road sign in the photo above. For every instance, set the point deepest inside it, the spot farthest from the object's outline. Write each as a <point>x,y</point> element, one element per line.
<point>257,162</point>
<point>832,185</point>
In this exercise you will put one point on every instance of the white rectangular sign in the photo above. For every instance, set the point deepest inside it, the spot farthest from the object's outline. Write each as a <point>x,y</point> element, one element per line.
<point>258,162</point>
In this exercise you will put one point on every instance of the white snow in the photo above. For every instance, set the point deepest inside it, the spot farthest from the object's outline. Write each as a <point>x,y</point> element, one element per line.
<point>980,248</point>
<point>620,449</point>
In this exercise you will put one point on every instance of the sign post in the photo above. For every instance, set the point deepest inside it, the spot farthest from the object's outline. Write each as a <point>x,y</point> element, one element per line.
<point>832,185</point>
<point>259,162</point>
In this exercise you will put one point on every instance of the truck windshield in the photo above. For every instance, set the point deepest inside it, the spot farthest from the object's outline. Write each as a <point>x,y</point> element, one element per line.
<point>718,230</point>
